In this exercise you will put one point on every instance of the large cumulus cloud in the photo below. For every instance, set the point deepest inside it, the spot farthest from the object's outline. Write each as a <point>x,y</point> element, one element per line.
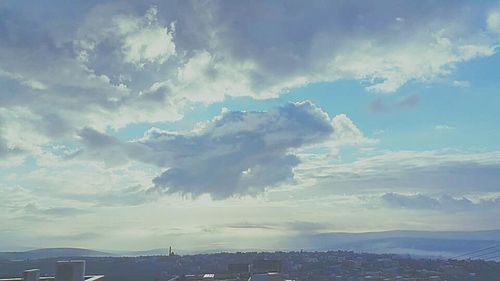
<point>49,90</point>
<point>236,153</point>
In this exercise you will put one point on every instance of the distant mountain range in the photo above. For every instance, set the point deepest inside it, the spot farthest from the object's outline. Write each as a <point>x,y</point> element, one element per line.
<point>415,243</point>
<point>52,253</point>
<point>76,252</point>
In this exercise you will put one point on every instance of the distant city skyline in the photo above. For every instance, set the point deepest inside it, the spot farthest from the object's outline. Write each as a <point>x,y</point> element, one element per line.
<point>245,125</point>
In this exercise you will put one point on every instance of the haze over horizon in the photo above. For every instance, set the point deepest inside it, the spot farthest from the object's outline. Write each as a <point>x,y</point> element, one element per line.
<point>245,125</point>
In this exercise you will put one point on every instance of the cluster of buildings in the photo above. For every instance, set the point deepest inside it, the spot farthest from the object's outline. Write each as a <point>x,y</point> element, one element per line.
<point>258,270</point>
<point>331,266</point>
<point>256,266</point>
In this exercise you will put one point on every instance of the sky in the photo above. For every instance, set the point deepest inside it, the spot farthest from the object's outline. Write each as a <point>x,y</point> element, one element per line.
<point>206,125</point>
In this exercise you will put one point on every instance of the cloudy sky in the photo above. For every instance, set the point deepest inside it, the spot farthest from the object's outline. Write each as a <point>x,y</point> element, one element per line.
<point>244,125</point>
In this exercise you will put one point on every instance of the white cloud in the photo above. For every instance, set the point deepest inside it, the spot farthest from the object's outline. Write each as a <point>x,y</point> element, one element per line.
<point>417,201</point>
<point>8,151</point>
<point>346,132</point>
<point>493,21</point>
<point>442,203</point>
<point>132,39</point>
<point>144,40</point>
<point>461,83</point>
<point>443,127</point>
<point>33,84</point>
<point>423,58</point>
<point>204,78</point>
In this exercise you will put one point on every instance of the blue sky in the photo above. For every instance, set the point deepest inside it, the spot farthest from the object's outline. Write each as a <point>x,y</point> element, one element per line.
<point>242,126</point>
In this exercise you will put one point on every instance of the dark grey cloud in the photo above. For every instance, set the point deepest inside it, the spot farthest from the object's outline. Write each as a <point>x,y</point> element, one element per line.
<point>242,152</point>
<point>378,105</point>
<point>93,138</point>
<point>444,202</point>
<point>237,153</point>
<point>102,146</point>
<point>408,101</point>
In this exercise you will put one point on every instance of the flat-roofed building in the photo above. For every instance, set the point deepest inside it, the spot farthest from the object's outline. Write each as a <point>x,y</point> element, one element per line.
<point>73,270</point>
<point>265,266</point>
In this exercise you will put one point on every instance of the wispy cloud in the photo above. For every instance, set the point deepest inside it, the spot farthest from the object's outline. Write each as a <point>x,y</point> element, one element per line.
<point>406,102</point>
<point>34,209</point>
<point>443,127</point>
<point>410,171</point>
<point>441,203</point>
